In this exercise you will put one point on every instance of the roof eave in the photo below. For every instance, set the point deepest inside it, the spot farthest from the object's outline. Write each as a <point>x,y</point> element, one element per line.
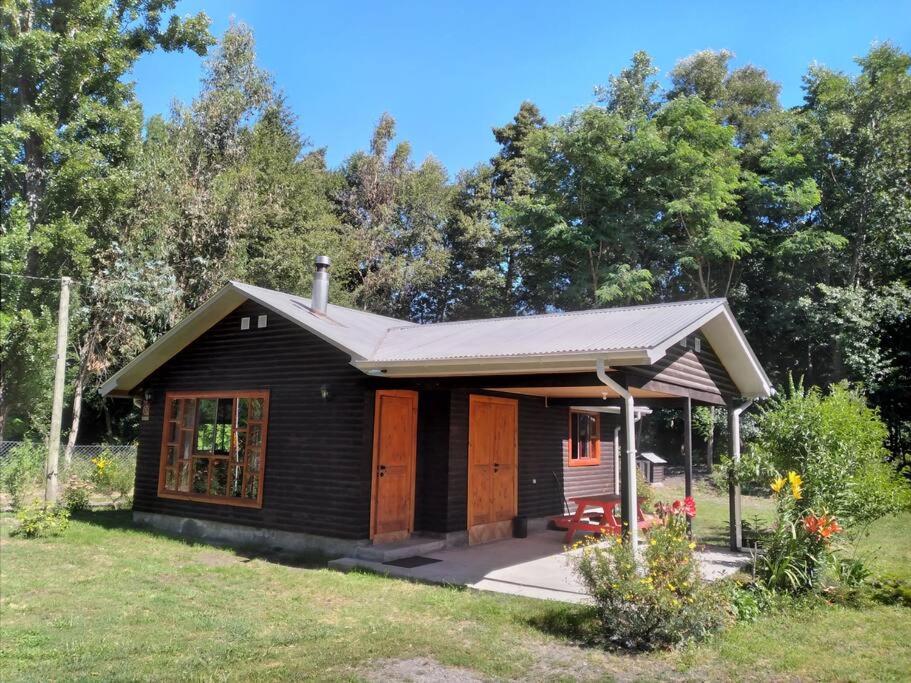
<point>497,365</point>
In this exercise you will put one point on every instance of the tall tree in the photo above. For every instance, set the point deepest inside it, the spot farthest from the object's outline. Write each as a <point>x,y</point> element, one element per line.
<point>69,126</point>
<point>395,213</point>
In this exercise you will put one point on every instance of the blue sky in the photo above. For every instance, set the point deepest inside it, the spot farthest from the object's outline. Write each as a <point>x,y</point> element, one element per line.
<point>448,72</point>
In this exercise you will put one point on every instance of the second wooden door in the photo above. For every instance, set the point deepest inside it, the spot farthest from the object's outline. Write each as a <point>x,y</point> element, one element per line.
<point>492,467</point>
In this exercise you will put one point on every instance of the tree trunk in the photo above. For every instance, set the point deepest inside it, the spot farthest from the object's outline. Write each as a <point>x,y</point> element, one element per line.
<point>88,351</point>
<point>4,407</point>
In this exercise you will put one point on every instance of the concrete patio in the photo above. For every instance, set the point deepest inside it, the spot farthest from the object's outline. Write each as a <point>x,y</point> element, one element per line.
<point>537,567</point>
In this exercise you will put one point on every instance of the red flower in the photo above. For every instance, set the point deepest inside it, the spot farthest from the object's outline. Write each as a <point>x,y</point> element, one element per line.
<point>823,526</point>
<point>689,507</point>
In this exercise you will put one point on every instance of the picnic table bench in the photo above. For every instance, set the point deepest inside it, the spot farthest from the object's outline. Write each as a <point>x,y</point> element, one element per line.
<point>598,522</point>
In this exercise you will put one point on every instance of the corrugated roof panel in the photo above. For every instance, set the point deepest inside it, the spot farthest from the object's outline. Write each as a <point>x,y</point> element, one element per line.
<point>610,329</point>
<point>359,332</point>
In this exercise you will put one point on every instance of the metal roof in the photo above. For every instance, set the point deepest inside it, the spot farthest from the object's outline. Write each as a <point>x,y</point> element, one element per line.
<point>595,331</point>
<point>633,335</point>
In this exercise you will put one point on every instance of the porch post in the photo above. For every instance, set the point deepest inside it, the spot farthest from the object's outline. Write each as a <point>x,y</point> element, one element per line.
<point>688,453</point>
<point>628,503</point>
<point>687,446</point>
<point>734,511</point>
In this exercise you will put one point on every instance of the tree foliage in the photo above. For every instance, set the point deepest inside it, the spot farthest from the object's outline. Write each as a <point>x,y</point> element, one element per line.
<point>708,188</point>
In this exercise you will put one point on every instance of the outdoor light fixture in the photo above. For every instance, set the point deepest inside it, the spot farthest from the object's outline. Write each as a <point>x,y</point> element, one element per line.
<point>324,392</point>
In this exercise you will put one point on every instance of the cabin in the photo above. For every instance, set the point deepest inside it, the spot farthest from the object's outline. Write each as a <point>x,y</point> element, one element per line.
<point>272,419</point>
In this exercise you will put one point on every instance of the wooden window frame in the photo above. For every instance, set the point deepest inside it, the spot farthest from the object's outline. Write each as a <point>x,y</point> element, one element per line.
<point>209,498</point>
<point>571,445</point>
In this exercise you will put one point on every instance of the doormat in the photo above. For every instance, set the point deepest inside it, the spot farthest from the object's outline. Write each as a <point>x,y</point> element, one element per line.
<point>412,562</point>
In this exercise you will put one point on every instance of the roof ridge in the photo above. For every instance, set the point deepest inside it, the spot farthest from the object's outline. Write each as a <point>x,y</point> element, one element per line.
<point>561,314</point>
<point>402,323</point>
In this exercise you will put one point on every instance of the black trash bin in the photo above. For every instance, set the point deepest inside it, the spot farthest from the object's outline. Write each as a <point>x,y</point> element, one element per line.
<point>520,526</point>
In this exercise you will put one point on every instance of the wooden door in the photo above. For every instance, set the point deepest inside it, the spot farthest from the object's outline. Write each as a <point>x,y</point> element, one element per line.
<point>492,467</point>
<point>394,450</point>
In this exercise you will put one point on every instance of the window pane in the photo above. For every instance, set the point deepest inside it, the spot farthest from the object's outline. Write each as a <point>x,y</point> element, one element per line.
<point>241,447</point>
<point>218,486</point>
<point>223,426</point>
<point>256,409</point>
<point>187,447</point>
<point>170,480</point>
<point>173,432</point>
<point>172,456</point>
<point>189,411</point>
<point>200,475</point>
<point>242,408</point>
<point>253,460</point>
<point>205,426</point>
<point>174,409</point>
<point>255,435</point>
<point>237,480</point>
<point>252,485</point>
<point>184,483</point>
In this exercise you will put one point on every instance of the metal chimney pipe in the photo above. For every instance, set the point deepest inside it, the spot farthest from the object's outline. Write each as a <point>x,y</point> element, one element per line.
<point>319,296</point>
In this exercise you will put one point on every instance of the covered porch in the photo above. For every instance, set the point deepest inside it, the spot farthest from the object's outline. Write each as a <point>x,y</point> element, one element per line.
<point>538,566</point>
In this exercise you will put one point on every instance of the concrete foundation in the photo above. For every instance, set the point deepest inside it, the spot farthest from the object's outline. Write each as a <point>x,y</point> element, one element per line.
<point>238,535</point>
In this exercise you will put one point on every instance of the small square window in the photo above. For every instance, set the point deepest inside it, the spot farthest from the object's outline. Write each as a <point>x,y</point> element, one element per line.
<point>698,345</point>
<point>261,321</point>
<point>245,323</point>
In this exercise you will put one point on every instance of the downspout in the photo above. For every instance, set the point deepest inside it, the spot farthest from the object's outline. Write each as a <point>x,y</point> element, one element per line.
<point>631,522</point>
<point>734,511</point>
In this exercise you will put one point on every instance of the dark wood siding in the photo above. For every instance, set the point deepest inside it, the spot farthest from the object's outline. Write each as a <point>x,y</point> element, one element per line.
<point>432,476</point>
<point>317,477</point>
<point>683,367</point>
<point>457,502</point>
<point>592,480</point>
<point>544,476</point>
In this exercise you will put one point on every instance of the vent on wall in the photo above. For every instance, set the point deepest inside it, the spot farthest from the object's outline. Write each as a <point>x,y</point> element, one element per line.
<point>245,323</point>
<point>698,345</point>
<point>261,321</point>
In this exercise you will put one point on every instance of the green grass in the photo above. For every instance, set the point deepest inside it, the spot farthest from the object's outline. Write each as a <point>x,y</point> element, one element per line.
<point>106,601</point>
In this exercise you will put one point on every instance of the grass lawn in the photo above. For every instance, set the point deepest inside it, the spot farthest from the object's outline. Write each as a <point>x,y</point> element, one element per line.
<point>107,601</point>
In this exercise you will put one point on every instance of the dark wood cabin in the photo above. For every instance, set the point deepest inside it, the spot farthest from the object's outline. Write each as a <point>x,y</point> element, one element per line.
<point>253,419</point>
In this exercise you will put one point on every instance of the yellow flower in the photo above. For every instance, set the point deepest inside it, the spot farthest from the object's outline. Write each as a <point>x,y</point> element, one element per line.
<point>778,484</point>
<point>692,546</point>
<point>795,481</point>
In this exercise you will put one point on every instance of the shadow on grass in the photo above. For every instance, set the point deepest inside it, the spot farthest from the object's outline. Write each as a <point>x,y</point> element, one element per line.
<point>122,520</point>
<point>576,623</point>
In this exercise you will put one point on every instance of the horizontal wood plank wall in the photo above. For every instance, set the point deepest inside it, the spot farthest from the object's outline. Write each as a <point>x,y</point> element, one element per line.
<point>317,477</point>
<point>592,480</point>
<point>432,480</point>
<point>457,501</point>
<point>684,367</point>
<point>543,432</point>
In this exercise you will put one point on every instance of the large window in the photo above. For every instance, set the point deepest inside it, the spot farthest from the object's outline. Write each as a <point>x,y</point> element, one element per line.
<point>213,447</point>
<point>584,438</point>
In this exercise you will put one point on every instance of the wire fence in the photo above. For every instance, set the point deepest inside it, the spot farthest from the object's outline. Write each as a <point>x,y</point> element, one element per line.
<point>100,474</point>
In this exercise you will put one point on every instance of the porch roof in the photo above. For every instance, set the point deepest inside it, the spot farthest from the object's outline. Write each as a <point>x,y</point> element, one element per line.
<point>546,343</point>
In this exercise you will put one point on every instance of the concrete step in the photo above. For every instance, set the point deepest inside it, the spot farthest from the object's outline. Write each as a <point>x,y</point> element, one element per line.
<point>386,552</point>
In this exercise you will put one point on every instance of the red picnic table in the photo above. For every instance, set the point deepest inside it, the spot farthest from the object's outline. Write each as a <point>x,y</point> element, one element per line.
<point>608,522</point>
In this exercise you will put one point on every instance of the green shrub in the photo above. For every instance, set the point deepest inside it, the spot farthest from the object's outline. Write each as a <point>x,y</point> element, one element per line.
<point>77,494</point>
<point>659,604</point>
<point>23,472</point>
<point>644,490</point>
<point>112,478</point>
<point>837,442</point>
<point>41,520</point>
